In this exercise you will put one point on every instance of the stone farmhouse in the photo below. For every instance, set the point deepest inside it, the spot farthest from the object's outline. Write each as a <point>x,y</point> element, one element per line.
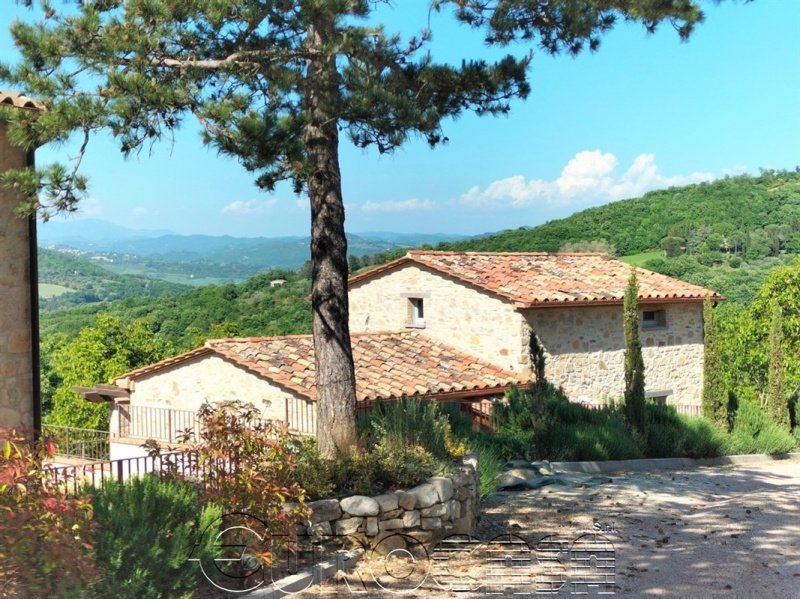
<point>488,305</point>
<point>449,326</point>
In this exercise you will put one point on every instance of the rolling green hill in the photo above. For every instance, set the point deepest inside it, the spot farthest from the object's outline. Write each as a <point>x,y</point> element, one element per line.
<point>253,308</point>
<point>753,217</point>
<point>68,280</point>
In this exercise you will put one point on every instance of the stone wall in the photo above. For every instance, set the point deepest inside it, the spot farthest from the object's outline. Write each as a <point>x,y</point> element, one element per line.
<point>16,363</point>
<point>585,351</point>
<point>464,317</point>
<point>429,512</point>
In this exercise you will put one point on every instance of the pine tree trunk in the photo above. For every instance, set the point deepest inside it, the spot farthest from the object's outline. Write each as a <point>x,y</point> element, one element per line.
<point>335,376</point>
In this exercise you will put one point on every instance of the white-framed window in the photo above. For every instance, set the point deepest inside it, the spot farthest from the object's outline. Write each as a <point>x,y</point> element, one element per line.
<point>654,319</point>
<point>416,312</point>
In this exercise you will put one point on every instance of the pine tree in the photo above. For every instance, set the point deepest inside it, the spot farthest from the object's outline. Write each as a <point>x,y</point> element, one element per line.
<point>715,397</point>
<point>777,400</point>
<point>273,83</point>
<point>635,414</point>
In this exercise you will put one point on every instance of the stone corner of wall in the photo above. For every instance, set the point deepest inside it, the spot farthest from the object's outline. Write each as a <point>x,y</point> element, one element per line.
<point>439,507</point>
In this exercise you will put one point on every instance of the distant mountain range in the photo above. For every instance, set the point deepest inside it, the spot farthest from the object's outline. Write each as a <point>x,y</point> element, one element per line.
<point>201,259</point>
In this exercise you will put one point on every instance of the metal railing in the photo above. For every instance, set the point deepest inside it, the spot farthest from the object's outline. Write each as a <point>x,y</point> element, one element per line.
<point>160,424</point>
<point>75,478</point>
<point>78,443</point>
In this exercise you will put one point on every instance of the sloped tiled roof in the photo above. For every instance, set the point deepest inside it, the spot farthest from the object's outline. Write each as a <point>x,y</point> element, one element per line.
<point>20,101</point>
<point>387,365</point>
<point>541,279</point>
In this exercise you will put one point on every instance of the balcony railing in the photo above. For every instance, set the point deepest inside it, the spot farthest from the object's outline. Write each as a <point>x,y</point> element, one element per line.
<point>78,443</point>
<point>160,424</point>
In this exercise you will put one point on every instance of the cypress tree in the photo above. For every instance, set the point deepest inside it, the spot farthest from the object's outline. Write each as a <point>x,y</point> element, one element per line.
<point>777,401</point>
<point>715,397</point>
<point>635,414</point>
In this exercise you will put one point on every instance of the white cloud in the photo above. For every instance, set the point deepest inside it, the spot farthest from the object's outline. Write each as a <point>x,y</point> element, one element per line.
<point>249,207</point>
<point>139,211</point>
<point>397,206</point>
<point>588,177</point>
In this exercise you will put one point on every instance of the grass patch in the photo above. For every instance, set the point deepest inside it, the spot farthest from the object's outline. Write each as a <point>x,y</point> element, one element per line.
<point>641,259</point>
<point>48,290</point>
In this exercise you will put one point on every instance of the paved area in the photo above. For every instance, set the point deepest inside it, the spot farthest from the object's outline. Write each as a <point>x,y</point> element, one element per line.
<point>710,532</point>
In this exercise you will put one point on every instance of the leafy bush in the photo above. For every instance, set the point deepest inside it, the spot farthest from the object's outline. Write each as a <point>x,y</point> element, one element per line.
<point>754,432</point>
<point>363,472</point>
<point>44,548</point>
<point>246,466</point>
<point>148,528</point>
<point>410,422</point>
<point>671,435</point>
<point>404,443</point>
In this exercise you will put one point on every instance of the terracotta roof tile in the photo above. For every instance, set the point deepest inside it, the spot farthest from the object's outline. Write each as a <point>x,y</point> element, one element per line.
<point>388,365</point>
<point>541,279</point>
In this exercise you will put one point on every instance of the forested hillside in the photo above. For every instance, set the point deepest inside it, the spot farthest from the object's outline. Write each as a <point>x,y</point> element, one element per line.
<point>82,282</point>
<point>752,217</point>
<point>259,306</point>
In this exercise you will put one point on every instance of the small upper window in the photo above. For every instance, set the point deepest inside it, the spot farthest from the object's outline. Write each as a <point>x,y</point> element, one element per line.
<point>416,312</point>
<point>654,319</point>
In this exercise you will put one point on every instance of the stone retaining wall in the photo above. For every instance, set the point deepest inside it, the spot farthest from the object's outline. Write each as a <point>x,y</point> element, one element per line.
<point>429,512</point>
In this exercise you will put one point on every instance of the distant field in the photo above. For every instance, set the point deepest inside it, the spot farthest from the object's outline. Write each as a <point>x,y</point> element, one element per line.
<point>640,259</point>
<point>48,290</point>
<point>193,281</point>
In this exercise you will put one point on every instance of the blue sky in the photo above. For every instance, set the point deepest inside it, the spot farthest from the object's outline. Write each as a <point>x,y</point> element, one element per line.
<point>644,112</point>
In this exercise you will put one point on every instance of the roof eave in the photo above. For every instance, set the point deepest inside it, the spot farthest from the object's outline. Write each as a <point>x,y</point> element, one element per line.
<point>614,302</point>
<point>483,392</point>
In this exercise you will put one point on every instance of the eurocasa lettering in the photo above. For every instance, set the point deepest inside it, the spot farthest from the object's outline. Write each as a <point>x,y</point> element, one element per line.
<point>504,565</point>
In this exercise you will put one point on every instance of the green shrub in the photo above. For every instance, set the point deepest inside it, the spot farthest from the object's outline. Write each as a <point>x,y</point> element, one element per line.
<point>312,472</point>
<point>405,466</point>
<point>754,432</point>
<point>491,462</point>
<point>147,529</point>
<point>410,422</point>
<point>569,431</point>
<point>363,472</point>
<point>670,435</point>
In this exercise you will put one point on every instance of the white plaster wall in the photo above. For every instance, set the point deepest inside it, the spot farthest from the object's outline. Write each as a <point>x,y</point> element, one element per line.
<point>585,351</point>
<point>212,379</point>
<point>464,317</point>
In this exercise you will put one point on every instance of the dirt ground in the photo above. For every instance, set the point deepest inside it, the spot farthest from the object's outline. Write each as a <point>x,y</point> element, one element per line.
<point>710,532</point>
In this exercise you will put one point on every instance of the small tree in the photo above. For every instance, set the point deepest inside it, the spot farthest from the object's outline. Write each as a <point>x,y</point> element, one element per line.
<point>715,396</point>
<point>635,414</point>
<point>777,400</point>
<point>536,352</point>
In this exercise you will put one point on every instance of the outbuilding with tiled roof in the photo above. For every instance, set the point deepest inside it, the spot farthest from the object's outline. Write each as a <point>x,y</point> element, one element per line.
<point>277,374</point>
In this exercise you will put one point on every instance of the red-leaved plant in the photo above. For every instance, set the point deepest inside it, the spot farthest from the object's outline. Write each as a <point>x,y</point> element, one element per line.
<point>44,548</point>
<point>245,465</point>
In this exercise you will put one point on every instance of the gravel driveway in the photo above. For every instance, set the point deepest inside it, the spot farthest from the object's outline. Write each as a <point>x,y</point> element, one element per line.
<point>709,532</point>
